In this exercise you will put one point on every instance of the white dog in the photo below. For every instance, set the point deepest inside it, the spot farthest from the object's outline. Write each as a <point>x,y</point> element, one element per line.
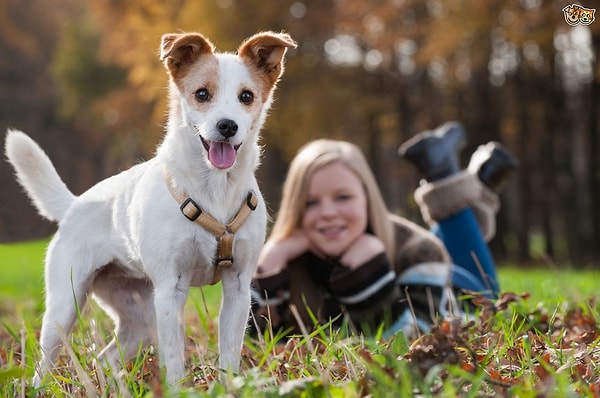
<point>190,216</point>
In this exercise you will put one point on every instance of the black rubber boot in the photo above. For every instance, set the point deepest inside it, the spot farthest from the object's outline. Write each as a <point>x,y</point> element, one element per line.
<point>493,163</point>
<point>435,152</point>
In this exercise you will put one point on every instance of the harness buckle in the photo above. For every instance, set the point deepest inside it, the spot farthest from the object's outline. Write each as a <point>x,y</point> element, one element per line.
<point>190,209</point>
<point>224,263</point>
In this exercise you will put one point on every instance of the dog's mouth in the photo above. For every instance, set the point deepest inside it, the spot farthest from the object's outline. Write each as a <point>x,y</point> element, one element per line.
<point>221,154</point>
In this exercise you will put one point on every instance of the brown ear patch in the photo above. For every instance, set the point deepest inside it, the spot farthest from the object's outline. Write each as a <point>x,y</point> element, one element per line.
<point>265,51</point>
<point>180,50</point>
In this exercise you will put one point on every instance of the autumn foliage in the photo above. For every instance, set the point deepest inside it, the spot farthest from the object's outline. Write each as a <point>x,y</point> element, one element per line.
<point>84,79</point>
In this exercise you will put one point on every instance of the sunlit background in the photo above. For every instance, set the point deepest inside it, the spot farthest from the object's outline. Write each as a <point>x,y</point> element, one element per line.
<point>84,79</point>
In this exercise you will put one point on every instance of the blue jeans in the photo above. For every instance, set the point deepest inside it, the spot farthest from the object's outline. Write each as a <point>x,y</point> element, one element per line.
<point>464,241</point>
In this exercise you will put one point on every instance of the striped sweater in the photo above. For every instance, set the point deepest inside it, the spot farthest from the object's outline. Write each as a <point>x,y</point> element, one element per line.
<point>367,295</point>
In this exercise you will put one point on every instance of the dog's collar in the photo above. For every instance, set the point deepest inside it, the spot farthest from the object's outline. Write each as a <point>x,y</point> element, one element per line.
<point>224,233</point>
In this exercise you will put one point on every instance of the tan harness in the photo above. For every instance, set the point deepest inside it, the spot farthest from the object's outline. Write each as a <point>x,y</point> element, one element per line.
<point>224,233</point>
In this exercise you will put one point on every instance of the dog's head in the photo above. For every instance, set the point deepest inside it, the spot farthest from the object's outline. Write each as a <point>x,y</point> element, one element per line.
<point>223,97</point>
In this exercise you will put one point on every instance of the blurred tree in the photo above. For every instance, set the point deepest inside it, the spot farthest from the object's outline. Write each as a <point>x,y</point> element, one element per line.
<point>27,41</point>
<point>374,73</point>
<point>80,75</point>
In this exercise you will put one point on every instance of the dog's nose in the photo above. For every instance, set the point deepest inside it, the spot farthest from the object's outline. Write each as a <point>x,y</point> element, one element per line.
<point>227,127</point>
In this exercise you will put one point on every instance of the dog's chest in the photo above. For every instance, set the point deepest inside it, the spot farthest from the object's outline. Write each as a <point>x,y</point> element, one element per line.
<point>200,261</point>
<point>203,275</point>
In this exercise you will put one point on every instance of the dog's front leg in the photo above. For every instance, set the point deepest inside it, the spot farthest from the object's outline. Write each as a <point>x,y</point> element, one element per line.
<point>233,318</point>
<point>170,295</point>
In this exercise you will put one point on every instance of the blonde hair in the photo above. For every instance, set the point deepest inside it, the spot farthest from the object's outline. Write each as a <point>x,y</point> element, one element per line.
<point>312,157</point>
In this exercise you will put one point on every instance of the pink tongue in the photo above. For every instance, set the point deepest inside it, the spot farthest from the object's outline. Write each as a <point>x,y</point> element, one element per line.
<point>221,154</point>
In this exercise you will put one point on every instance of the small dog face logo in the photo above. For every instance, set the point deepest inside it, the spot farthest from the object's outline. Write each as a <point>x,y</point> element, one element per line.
<point>578,15</point>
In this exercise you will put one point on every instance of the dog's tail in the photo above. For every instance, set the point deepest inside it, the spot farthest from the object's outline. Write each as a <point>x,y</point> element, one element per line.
<point>38,176</point>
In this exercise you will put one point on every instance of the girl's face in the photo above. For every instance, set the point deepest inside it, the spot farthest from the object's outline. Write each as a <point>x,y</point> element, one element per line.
<point>335,213</point>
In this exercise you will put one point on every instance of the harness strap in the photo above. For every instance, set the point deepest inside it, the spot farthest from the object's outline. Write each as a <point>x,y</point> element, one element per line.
<point>224,233</point>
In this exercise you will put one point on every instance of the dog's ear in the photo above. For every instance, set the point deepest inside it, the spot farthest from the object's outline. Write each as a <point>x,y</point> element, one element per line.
<point>265,51</point>
<point>178,50</point>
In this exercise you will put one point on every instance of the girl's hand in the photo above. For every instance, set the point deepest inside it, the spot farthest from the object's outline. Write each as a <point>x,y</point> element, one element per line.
<point>275,255</point>
<point>362,250</point>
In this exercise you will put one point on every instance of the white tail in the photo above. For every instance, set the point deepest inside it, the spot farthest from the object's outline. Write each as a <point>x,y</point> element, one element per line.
<point>38,176</point>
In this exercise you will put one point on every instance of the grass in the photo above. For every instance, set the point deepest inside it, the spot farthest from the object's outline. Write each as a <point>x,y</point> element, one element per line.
<point>544,345</point>
<point>22,269</point>
<point>546,284</point>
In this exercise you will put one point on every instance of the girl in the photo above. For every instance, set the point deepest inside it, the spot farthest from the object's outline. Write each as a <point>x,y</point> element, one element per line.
<point>336,249</point>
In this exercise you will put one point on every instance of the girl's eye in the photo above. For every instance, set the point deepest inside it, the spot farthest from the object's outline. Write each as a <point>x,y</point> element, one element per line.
<point>343,198</point>
<point>311,203</point>
<point>202,95</point>
<point>246,97</point>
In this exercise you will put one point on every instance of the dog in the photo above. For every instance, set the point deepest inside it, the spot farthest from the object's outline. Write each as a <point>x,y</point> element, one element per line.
<point>190,216</point>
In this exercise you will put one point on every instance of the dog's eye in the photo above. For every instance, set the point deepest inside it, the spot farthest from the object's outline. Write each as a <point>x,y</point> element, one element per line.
<point>202,95</point>
<point>246,97</point>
